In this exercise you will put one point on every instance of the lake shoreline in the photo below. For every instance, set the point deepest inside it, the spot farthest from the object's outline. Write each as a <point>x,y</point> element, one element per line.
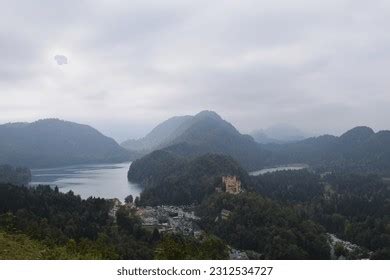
<point>108,181</point>
<point>286,167</point>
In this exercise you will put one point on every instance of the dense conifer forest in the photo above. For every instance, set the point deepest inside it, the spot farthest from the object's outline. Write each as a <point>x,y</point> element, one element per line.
<point>43,223</point>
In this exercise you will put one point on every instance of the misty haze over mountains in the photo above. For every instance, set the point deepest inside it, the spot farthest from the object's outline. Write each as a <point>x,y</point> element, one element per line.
<point>51,142</point>
<point>279,133</point>
<point>166,131</point>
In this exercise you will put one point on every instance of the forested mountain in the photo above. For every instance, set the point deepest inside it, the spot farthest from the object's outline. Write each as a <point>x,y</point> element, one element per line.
<point>171,179</point>
<point>159,135</point>
<point>359,149</point>
<point>16,176</point>
<point>203,133</point>
<point>207,132</point>
<point>53,142</point>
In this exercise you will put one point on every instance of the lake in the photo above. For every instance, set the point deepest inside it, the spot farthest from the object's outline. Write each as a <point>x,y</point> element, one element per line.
<point>98,180</point>
<point>278,168</point>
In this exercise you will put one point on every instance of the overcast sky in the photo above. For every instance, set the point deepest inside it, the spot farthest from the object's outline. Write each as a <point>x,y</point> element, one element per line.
<point>124,66</point>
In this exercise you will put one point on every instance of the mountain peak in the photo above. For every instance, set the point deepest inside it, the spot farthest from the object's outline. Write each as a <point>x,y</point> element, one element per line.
<point>208,114</point>
<point>357,134</point>
<point>49,120</point>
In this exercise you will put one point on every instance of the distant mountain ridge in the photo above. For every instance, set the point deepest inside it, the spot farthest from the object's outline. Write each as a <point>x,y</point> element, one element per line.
<point>53,142</point>
<point>359,149</point>
<point>280,134</point>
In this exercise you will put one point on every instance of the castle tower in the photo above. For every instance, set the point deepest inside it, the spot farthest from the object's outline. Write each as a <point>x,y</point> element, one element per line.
<point>232,184</point>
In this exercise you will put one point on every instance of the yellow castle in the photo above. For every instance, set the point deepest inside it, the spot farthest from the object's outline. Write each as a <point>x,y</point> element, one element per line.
<point>232,184</point>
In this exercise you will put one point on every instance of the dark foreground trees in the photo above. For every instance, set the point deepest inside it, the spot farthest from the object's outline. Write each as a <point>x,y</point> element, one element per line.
<point>47,224</point>
<point>353,207</point>
<point>261,225</point>
<point>71,227</point>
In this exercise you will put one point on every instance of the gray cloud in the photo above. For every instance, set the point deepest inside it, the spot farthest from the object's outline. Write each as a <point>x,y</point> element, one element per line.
<point>61,59</point>
<point>319,65</point>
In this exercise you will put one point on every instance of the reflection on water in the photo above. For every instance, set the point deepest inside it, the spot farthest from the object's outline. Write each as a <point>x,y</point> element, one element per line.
<point>279,168</point>
<point>97,180</point>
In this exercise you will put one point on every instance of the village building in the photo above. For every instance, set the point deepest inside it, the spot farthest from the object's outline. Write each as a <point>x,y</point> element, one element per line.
<point>175,219</point>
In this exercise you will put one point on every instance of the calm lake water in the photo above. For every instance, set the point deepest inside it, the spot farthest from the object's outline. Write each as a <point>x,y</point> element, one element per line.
<point>279,168</point>
<point>98,180</point>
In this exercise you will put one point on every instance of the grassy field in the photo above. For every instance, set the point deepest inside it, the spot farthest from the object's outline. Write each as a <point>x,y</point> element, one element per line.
<point>19,247</point>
